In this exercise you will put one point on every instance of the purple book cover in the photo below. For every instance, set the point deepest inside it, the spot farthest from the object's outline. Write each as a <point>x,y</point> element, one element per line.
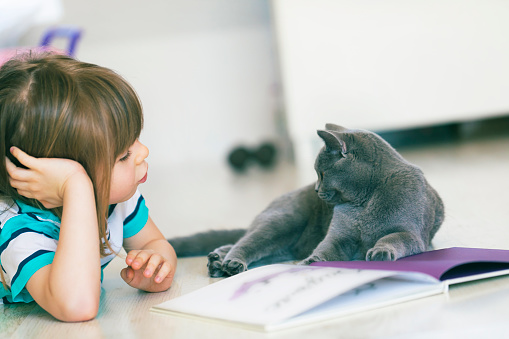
<point>443,264</point>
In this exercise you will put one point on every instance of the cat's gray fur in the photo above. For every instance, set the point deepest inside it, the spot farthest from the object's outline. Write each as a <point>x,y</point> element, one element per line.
<point>368,204</point>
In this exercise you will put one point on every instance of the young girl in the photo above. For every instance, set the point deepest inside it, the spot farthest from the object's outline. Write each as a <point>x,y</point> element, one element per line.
<point>70,165</point>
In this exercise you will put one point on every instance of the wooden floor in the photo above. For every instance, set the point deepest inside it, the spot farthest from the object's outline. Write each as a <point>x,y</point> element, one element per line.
<point>471,175</point>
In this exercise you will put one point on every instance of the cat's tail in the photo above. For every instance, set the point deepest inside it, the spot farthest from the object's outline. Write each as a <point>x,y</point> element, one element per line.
<point>203,243</point>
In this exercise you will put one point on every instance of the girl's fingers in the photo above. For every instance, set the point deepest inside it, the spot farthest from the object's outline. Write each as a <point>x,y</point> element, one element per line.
<point>131,256</point>
<point>11,168</point>
<point>127,274</point>
<point>163,272</point>
<point>9,164</point>
<point>140,258</point>
<point>20,186</point>
<point>22,182</point>
<point>15,183</point>
<point>15,172</point>
<point>22,157</point>
<point>152,264</point>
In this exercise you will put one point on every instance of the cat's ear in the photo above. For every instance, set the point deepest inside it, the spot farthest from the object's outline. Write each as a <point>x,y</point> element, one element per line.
<point>337,128</point>
<point>333,144</point>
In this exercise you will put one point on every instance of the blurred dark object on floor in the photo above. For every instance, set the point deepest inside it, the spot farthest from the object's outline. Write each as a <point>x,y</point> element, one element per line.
<point>451,132</point>
<point>241,157</point>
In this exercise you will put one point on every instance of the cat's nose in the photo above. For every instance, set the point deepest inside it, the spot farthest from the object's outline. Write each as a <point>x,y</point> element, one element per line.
<point>317,187</point>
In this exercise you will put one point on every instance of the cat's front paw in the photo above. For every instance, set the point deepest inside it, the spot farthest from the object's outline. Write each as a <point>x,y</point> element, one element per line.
<point>310,260</point>
<point>215,265</point>
<point>381,254</point>
<point>234,266</point>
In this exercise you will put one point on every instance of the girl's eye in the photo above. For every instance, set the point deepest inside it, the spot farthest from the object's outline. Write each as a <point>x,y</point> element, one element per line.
<point>126,156</point>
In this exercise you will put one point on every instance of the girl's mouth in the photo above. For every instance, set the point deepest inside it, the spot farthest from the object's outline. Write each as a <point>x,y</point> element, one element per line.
<point>143,179</point>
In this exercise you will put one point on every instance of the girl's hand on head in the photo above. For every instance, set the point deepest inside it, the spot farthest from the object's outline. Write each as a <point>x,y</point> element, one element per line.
<point>45,179</point>
<point>147,271</point>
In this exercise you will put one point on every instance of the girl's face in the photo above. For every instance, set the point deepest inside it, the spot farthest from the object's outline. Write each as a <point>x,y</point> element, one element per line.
<point>129,171</point>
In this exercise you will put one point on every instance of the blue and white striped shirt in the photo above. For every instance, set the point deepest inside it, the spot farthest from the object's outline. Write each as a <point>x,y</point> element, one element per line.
<point>29,239</point>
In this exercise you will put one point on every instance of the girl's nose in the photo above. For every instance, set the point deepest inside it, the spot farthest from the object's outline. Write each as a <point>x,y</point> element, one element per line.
<point>141,152</point>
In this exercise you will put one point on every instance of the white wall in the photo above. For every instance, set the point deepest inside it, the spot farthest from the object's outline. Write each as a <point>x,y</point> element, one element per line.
<point>204,69</point>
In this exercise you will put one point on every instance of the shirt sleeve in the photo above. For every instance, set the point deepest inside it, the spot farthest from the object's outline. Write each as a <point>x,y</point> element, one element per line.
<point>136,216</point>
<point>26,245</point>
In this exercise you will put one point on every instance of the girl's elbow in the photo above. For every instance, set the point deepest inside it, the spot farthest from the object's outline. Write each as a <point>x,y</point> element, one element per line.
<point>79,311</point>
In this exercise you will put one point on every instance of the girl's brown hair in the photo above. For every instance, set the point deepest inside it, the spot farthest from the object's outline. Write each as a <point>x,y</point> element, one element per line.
<point>53,106</point>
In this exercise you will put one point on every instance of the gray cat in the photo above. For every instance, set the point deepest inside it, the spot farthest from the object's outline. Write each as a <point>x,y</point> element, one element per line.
<point>368,204</point>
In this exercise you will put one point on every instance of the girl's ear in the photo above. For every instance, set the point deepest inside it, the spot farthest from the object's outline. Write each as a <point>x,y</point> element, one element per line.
<point>333,143</point>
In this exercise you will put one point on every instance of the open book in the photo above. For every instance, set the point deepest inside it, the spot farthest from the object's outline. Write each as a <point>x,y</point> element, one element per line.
<point>279,296</point>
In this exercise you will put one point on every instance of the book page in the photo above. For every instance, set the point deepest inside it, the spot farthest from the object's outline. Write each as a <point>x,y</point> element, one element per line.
<point>272,294</point>
<point>377,294</point>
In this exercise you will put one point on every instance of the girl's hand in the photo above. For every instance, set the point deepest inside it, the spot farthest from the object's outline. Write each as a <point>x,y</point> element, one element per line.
<point>147,271</point>
<point>45,179</point>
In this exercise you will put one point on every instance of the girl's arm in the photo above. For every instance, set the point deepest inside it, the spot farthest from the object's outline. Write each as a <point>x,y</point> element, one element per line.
<point>69,288</point>
<point>151,261</point>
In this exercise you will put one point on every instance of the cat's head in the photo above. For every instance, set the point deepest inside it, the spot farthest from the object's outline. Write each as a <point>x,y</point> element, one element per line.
<point>348,164</point>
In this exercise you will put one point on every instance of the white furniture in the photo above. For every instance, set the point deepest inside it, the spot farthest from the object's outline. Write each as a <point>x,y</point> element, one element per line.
<point>385,65</point>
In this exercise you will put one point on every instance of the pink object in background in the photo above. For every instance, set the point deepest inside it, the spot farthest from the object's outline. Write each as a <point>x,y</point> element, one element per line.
<point>6,54</point>
<point>73,34</point>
